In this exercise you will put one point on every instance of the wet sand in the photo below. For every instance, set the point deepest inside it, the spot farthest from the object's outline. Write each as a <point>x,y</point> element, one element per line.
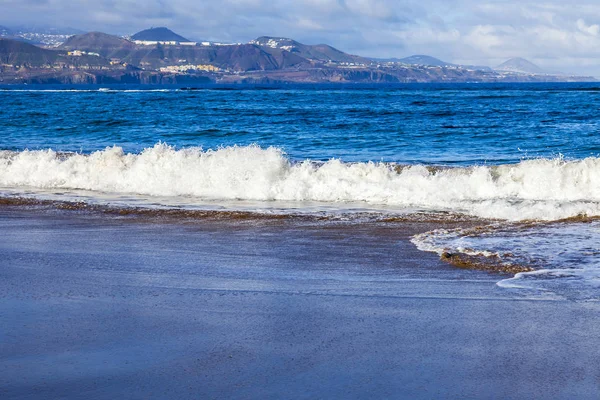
<point>101,307</point>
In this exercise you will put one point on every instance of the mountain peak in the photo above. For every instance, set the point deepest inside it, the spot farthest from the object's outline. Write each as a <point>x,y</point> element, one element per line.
<point>519,65</point>
<point>160,34</point>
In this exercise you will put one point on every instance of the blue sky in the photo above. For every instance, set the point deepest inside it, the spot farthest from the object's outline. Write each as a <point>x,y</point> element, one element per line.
<point>557,35</point>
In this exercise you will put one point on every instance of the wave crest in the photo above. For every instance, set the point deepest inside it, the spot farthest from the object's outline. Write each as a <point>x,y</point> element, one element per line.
<point>545,189</point>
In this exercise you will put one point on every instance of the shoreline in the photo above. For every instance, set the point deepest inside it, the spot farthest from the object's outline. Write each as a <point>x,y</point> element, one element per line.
<point>223,309</point>
<point>420,223</point>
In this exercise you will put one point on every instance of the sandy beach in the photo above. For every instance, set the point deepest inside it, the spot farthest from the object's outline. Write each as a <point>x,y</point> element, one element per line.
<point>104,307</point>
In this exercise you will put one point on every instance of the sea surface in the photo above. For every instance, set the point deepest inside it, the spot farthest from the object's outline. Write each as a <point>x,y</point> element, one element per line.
<point>521,160</point>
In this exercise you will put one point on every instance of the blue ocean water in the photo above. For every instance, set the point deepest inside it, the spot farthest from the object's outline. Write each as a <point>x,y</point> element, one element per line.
<point>523,156</point>
<point>452,124</point>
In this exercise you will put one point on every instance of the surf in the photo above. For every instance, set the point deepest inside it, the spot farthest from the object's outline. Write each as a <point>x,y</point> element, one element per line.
<point>538,189</point>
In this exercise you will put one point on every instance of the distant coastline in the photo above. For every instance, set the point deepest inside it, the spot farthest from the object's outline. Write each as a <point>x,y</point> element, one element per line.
<point>160,56</point>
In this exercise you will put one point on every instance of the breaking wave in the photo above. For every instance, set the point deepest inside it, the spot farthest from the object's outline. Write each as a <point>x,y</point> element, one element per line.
<point>541,189</point>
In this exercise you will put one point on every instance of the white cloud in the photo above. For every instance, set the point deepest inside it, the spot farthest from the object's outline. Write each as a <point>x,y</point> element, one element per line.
<point>589,29</point>
<point>552,33</point>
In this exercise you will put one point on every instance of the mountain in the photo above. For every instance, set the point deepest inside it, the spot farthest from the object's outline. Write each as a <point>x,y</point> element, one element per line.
<point>319,52</point>
<point>160,34</point>
<point>14,52</point>
<point>436,62</point>
<point>104,58</point>
<point>520,66</point>
<point>245,57</point>
<point>17,54</point>
<point>425,60</point>
<point>106,45</point>
<point>96,40</point>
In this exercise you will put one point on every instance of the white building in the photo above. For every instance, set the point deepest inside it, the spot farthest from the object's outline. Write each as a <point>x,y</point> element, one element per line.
<point>164,43</point>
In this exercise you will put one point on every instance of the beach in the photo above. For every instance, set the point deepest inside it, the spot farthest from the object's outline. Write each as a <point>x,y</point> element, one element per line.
<point>300,242</point>
<point>107,306</point>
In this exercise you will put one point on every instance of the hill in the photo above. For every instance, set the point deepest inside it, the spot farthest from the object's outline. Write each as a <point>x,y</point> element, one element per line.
<point>160,34</point>
<point>521,66</point>
<point>245,57</point>
<point>424,60</point>
<point>96,40</point>
<point>436,62</point>
<point>106,45</point>
<point>248,57</point>
<point>15,52</point>
<point>319,52</point>
<point>266,59</point>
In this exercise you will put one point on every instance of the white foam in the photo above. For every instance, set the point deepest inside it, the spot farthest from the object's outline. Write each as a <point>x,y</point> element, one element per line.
<point>535,189</point>
<point>565,255</point>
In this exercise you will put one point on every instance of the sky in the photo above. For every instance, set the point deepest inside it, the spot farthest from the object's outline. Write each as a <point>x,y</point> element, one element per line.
<point>558,35</point>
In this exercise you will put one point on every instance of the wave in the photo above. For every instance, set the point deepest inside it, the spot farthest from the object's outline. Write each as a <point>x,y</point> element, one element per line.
<point>541,189</point>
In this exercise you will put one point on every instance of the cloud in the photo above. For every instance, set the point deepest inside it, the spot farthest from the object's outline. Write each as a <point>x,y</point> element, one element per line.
<point>555,34</point>
<point>589,29</point>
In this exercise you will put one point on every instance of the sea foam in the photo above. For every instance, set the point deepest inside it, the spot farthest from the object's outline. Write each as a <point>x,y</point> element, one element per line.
<point>542,189</point>
<point>564,255</point>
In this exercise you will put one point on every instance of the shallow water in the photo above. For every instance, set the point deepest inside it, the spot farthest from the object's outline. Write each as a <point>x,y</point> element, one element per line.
<point>507,153</point>
<point>565,255</point>
<point>148,308</point>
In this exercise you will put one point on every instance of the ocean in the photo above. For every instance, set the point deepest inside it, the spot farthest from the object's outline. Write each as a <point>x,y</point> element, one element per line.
<point>518,162</point>
<point>341,241</point>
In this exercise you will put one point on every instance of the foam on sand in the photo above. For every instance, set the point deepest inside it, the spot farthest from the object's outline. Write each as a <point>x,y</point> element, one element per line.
<point>558,257</point>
